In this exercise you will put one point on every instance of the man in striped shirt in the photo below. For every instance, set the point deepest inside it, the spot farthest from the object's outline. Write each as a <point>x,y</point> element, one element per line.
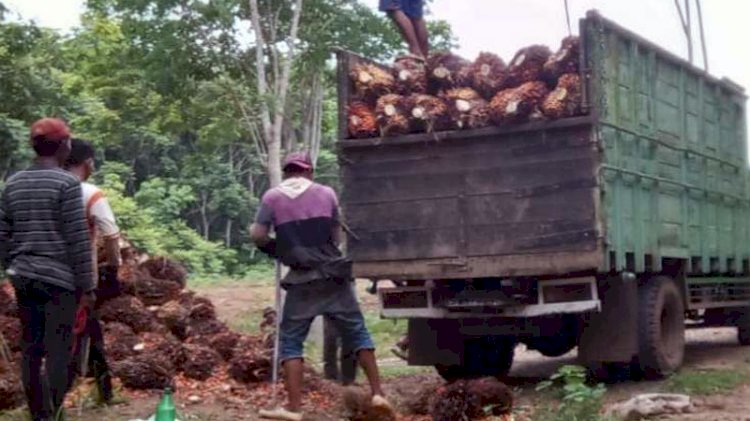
<point>46,250</point>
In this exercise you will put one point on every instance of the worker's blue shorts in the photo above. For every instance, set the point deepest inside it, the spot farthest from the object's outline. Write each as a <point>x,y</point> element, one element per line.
<point>411,8</point>
<point>332,298</point>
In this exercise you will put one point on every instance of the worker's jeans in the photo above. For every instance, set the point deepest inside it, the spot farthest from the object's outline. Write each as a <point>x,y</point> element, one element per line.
<point>47,313</point>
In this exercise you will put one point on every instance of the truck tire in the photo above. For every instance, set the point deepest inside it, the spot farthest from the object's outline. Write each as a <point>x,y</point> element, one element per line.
<point>661,328</point>
<point>743,326</point>
<point>490,356</point>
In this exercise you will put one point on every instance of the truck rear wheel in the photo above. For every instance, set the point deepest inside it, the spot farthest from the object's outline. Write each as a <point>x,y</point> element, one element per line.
<point>661,328</point>
<point>488,356</point>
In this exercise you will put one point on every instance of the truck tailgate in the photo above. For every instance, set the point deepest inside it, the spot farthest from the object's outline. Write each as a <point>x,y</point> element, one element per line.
<point>489,202</point>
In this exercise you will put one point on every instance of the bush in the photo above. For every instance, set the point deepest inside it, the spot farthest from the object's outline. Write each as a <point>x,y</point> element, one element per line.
<point>149,230</point>
<point>578,400</point>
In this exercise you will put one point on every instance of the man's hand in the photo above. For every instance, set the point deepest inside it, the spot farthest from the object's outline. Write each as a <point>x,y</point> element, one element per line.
<point>87,300</point>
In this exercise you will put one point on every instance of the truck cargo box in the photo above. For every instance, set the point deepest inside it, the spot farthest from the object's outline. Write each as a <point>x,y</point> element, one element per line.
<point>656,170</point>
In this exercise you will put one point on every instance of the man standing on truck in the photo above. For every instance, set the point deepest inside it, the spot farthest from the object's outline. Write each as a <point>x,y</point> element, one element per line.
<point>46,251</point>
<point>102,226</point>
<point>408,15</point>
<point>304,215</point>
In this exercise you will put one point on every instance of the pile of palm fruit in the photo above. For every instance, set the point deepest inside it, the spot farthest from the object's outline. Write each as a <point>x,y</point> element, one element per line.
<point>157,333</point>
<point>447,92</point>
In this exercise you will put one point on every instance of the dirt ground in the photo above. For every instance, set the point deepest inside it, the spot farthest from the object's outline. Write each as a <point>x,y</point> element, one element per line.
<point>707,349</point>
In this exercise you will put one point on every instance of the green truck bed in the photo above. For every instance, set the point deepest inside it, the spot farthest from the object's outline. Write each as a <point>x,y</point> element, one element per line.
<point>656,173</point>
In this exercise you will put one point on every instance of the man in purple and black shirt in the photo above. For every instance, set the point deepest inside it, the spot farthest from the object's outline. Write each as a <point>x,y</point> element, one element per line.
<point>305,217</point>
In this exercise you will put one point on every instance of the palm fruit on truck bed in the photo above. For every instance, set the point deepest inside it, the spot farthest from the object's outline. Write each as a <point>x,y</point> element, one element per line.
<point>362,122</point>
<point>468,110</point>
<point>392,115</point>
<point>488,75</point>
<point>427,113</point>
<point>517,104</point>
<point>411,75</point>
<point>527,65</point>
<point>565,99</point>
<point>447,71</point>
<point>371,81</point>
<point>565,60</point>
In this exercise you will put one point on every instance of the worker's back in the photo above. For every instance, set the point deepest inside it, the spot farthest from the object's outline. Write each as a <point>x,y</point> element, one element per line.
<point>43,209</point>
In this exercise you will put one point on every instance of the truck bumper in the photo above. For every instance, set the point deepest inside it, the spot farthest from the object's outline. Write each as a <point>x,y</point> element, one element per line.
<point>563,296</point>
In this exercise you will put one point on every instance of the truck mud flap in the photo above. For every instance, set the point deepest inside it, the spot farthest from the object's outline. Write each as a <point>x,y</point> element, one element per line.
<point>435,341</point>
<point>611,335</point>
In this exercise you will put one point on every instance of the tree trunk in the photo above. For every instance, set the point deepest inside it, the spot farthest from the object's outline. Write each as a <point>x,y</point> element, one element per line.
<point>206,224</point>
<point>228,234</point>
<point>272,117</point>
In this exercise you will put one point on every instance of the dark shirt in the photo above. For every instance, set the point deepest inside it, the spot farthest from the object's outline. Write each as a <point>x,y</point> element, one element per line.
<point>43,231</point>
<point>304,228</point>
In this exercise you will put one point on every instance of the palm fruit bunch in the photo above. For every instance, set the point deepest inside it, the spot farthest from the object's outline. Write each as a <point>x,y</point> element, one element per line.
<point>371,80</point>
<point>199,362</point>
<point>565,100</point>
<point>392,115</point>
<point>515,105</point>
<point>411,75</point>
<point>527,65</point>
<point>467,109</point>
<point>427,113</point>
<point>447,71</point>
<point>11,389</point>
<point>448,92</point>
<point>565,60</point>
<point>362,122</point>
<point>488,74</point>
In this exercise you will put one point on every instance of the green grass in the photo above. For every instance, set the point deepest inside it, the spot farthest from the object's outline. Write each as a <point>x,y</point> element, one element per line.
<point>706,382</point>
<point>385,333</point>
<point>389,372</point>
<point>18,414</point>
<point>258,274</point>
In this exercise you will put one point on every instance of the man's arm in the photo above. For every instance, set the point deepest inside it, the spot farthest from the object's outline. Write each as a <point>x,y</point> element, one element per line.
<point>261,228</point>
<point>106,225</point>
<point>6,231</point>
<point>75,232</point>
<point>259,234</point>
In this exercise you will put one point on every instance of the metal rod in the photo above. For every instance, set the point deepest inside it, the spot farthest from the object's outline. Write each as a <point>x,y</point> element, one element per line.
<point>567,16</point>
<point>689,31</point>
<point>703,34</point>
<point>276,342</point>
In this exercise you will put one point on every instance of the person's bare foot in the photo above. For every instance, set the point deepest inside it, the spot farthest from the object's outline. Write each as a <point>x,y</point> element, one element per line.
<point>381,405</point>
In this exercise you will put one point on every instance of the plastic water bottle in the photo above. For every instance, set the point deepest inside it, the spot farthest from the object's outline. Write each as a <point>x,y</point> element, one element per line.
<point>165,411</point>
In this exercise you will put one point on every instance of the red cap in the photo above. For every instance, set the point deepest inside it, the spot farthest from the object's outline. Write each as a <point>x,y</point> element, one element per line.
<point>299,159</point>
<point>50,129</point>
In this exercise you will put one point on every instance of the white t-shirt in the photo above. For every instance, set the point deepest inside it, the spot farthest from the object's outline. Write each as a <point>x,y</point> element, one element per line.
<point>99,213</point>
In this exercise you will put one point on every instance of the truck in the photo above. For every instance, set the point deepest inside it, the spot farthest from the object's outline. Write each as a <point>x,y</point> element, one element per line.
<point>609,232</point>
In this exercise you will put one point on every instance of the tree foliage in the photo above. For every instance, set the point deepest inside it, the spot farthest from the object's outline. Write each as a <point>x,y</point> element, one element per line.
<point>167,91</point>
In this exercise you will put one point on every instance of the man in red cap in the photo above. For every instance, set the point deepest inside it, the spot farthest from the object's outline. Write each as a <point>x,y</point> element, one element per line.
<point>46,251</point>
<point>304,215</point>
